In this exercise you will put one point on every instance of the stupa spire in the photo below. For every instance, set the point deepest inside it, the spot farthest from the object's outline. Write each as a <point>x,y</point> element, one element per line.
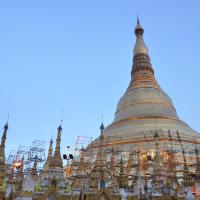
<point>140,46</point>
<point>48,160</point>
<point>3,140</point>
<point>142,74</point>
<point>100,166</point>
<point>100,155</point>
<point>2,158</point>
<point>50,153</point>
<point>56,159</point>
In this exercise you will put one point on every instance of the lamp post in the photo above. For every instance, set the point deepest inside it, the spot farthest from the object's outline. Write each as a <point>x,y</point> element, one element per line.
<point>68,157</point>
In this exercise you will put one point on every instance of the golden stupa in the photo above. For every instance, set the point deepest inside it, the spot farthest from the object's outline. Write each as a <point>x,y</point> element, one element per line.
<point>147,152</point>
<point>145,106</point>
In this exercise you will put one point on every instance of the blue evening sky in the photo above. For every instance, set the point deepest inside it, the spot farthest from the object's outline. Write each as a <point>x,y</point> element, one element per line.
<point>76,55</point>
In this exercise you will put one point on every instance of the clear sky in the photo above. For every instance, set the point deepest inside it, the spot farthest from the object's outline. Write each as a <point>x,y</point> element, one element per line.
<point>76,55</point>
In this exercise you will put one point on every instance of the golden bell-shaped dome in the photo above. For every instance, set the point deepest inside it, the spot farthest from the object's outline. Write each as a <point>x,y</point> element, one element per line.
<point>144,102</point>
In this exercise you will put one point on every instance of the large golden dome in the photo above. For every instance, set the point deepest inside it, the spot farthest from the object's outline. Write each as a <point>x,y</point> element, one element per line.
<point>145,106</point>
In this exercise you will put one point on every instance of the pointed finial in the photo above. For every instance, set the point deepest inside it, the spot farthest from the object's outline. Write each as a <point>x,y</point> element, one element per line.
<point>3,140</point>
<point>6,125</point>
<point>51,141</point>
<point>82,149</point>
<point>59,128</point>
<point>138,29</point>
<point>138,20</point>
<point>102,127</point>
<point>50,148</point>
